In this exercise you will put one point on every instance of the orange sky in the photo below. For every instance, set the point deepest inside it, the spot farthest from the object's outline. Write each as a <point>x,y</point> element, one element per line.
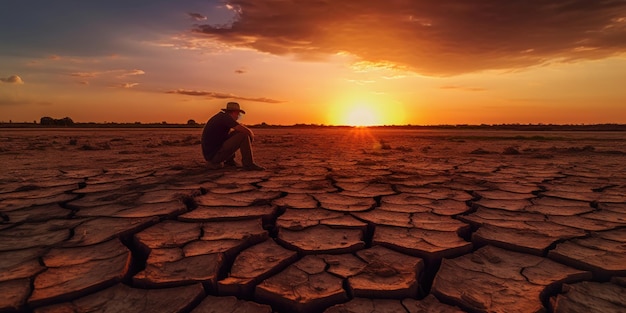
<point>322,62</point>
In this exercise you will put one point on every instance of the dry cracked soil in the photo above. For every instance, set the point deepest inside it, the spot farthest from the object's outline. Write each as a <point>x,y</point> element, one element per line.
<point>342,220</point>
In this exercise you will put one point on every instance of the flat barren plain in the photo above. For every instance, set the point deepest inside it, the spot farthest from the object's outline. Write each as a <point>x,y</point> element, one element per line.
<point>342,220</point>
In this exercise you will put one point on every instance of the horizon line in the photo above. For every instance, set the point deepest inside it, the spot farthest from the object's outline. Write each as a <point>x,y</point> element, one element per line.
<point>263,124</point>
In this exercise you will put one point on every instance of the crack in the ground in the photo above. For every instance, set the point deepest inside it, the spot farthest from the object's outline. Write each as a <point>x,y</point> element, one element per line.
<point>427,275</point>
<point>138,261</point>
<point>5,217</point>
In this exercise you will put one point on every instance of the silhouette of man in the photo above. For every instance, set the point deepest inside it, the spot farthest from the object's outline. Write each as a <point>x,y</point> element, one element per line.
<point>222,136</point>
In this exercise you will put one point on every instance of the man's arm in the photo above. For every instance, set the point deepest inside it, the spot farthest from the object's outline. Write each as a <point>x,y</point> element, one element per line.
<point>245,130</point>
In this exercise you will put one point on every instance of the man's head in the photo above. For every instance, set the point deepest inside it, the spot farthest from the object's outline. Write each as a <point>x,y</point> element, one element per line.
<point>234,110</point>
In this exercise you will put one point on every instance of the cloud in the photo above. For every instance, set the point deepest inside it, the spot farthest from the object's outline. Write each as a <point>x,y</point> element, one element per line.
<point>361,81</point>
<point>132,73</point>
<point>85,74</point>
<point>187,41</point>
<point>240,71</point>
<point>13,79</point>
<point>439,38</point>
<point>463,88</point>
<point>197,16</point>
<point>368,66</point>
<point>398,76</point>
<point>129,85</point>
<point>121,85</point>
<point>219,95</point>
<point>120,74</point>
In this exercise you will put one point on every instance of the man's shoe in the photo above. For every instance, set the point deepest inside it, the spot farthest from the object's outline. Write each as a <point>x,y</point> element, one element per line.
<point>254,167</point>
<point>231,163</point>
<point>215,166</point>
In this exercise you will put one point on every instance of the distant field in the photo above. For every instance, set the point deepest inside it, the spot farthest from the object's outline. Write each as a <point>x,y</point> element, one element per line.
<point>27,152</point>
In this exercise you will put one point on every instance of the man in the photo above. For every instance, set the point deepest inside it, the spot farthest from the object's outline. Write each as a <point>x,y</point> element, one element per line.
<point>222,136</point>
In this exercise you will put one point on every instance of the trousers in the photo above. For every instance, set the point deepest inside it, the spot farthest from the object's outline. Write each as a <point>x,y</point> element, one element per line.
<point>235,141</point>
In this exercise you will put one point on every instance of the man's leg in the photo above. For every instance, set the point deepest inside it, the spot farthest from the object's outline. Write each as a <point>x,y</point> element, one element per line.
<point>236,141</point>
<point>230,161</point>
<point>247,158</point>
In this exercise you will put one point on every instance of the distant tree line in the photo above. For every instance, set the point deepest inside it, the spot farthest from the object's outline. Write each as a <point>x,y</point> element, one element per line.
<point>49,121</point>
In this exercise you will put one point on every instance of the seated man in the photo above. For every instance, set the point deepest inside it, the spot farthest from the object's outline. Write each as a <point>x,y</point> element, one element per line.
<point>223,136</point>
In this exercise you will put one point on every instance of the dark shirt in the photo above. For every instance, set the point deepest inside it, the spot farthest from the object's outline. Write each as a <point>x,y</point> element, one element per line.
<point>215,132</point>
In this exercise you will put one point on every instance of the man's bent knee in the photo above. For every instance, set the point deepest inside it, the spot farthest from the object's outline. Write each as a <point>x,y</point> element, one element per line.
<point>236,133</point>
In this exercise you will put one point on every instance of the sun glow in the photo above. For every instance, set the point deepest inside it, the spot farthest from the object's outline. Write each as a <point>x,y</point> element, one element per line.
<point>362,113</point>
<point>361,116</point>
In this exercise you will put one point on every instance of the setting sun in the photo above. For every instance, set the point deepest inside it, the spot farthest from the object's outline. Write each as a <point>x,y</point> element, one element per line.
<point>362,116</point>
<point>366,113</point>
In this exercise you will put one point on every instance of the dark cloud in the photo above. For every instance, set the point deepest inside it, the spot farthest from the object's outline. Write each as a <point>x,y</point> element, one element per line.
<point>13,79</point>
<point>219,95</point>
<point>121,74</point>
<point>443,37</point>
<point>240,71</point>
<point>197,16</point>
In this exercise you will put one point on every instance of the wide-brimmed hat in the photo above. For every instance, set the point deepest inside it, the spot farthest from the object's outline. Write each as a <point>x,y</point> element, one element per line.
<point>233,106</point>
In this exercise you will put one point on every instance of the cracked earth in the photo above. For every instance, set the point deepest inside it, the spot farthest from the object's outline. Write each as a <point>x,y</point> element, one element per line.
<point>343,220</point>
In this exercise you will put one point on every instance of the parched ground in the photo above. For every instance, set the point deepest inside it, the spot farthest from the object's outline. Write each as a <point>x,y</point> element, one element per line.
<point>343,220</point>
